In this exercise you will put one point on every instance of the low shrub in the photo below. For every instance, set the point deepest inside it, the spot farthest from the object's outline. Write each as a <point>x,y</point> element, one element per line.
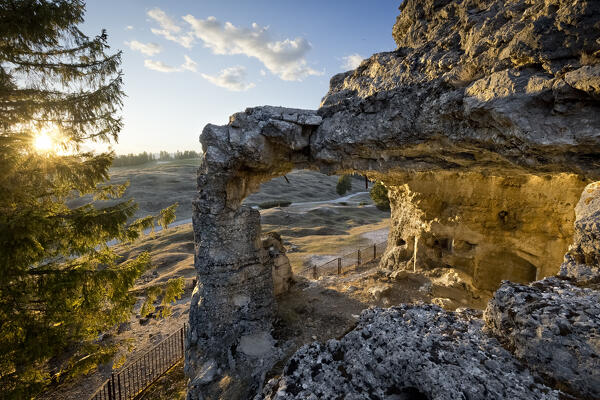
<point>379,195</point>
<point>274,203</point>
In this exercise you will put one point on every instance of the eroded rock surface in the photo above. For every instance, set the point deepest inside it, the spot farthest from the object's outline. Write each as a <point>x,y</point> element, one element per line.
<point>553,326</point>
<point>582,261</point>
<point>229,347</point>
<point>547,331</point>
<point>483,123</point>
<point>408,352</point>
<point>483,84</point>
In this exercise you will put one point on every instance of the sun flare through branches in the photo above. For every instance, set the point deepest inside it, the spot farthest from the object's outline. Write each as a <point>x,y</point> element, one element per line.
<point>43,143</point>
<point>49,140</point>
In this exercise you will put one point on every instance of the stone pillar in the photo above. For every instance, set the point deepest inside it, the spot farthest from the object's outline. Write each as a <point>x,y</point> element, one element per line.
<point>229,346</point>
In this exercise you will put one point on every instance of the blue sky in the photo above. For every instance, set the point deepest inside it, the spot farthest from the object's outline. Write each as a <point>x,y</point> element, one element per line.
<point>188,63</point>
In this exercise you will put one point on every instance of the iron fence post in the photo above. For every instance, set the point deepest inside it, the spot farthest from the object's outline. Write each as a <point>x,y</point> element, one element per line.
<point>339,266</point>
<point>110,390</point>
<point>182,341</point>
<point>119,385</point>
<point>358,257</point>
<point>374,251</point>
<point>314,272</point>
<point>112,378</point>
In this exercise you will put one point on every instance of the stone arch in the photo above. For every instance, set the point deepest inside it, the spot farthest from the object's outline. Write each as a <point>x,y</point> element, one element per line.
<point>233,303</point>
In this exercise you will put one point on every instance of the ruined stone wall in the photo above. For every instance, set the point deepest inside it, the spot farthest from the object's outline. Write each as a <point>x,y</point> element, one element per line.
<point>491,227</point>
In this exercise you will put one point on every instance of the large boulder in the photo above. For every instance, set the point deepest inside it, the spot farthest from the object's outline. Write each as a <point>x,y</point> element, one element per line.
<point>552,326</point>
<point>408,352</point>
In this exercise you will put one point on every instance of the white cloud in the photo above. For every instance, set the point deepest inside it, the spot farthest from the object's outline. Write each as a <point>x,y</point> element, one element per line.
<point>129,28</point>
<point>159,66</point>
<point>263,72</point>
<point>189,65</point>
<point>148,49</point>
<point>232,78</point>
<point>169,28</point>
<point>285,58</point>
<point>165,22</point>
<point>352,61</point>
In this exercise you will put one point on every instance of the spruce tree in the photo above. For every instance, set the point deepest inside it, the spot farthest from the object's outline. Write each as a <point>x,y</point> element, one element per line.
<point>60,284</point>
<point>344,184</point>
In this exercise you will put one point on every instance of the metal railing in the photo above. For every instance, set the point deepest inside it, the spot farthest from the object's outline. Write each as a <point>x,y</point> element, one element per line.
<point>346,262</point>
<point>132,380</point>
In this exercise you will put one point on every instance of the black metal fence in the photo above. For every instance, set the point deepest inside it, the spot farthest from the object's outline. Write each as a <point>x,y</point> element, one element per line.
<point>346,262</point>
<point>131,381</point>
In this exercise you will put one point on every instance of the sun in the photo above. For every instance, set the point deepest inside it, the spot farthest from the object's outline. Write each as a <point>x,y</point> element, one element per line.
<point>43,143</point>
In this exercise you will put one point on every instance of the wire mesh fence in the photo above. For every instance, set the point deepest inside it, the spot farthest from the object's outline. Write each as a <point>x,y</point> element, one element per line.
<point>132,380</point>
<point>346,262</point>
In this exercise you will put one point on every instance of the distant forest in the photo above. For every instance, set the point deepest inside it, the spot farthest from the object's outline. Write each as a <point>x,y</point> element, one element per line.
<point>127,160</point>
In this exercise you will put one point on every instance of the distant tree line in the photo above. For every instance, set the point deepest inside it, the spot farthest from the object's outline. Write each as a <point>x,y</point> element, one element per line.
<point>130,159</point>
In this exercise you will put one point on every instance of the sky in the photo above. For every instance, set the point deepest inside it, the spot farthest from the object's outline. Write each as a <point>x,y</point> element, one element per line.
<point>189,63</point>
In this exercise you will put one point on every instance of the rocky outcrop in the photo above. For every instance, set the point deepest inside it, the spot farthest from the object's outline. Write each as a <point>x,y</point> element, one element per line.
<point>547,331</point>
<point>478,84</point>
<point>484,124</point>
<point>232,302</point>
<point>553,326</point>
<point>494,91</point>
<point>408,352</point>
<point>582,262</point>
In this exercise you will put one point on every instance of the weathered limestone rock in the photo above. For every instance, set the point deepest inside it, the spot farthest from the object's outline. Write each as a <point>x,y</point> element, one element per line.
<point>232,301</point>
<point>488,85</point>
<point>553,326</point>
<point>491,227</point>
<point>280,264</point>
<point>229,347</point>
<point>582,262</point>
<point>408,352</point>
<point>492,90</point>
